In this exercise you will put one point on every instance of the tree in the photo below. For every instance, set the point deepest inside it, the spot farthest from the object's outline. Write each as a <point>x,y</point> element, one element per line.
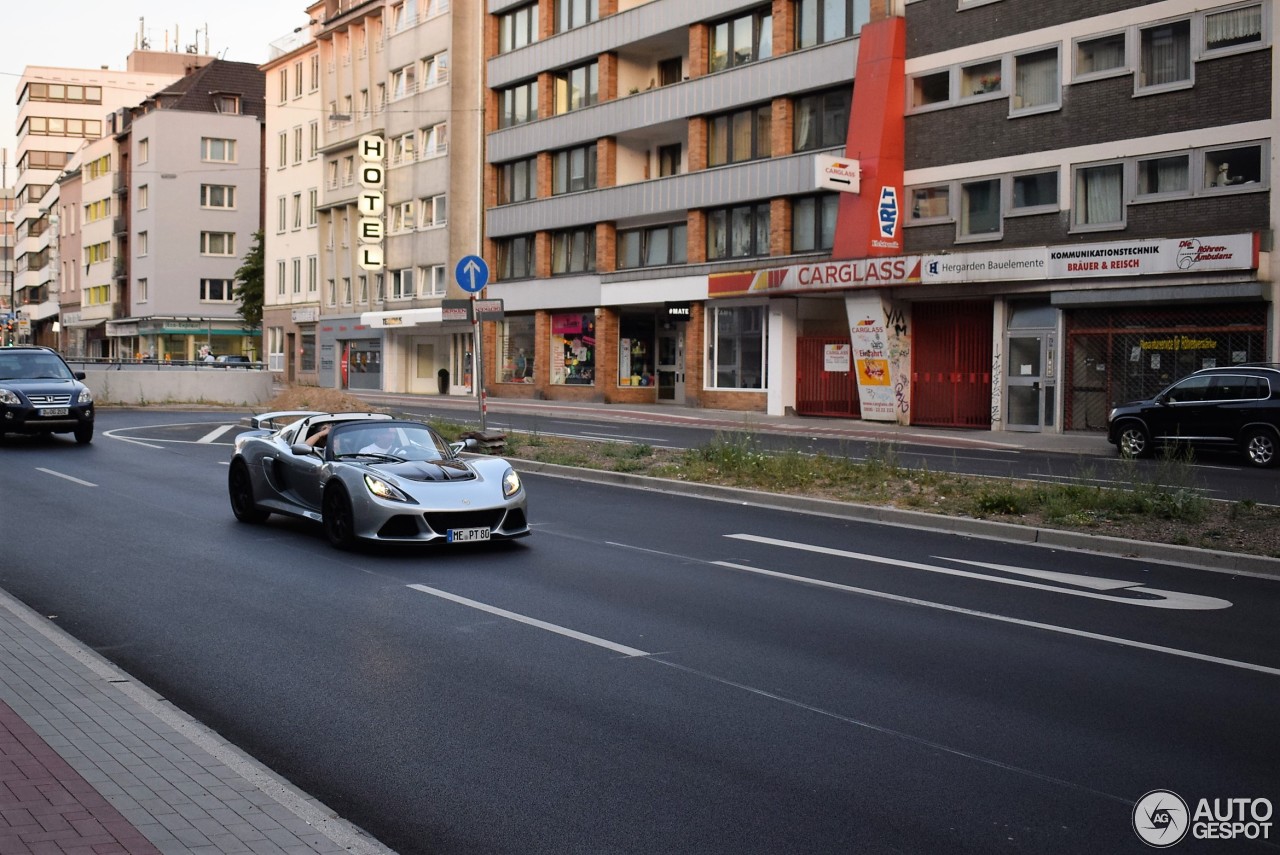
<point>249,284</point>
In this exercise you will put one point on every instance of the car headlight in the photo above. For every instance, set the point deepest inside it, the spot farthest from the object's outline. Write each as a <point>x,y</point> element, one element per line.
<point>510,483</point>
<point>1111,416</point>
<point>86,397</point>
<point>7,396</point>
<point>383,490</point>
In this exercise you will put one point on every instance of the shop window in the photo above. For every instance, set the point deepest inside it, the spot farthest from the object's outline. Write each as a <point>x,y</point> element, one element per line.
<point>636,337</point>
<point>1233,28</point>
<point>931,203</point>
<point>930,89</point>
<point>1234,167</point>
<point>980,209</point>
<point>573,349</point>
<point>739,347</point>
<point>981,78</point>
<point>1099,201</point>
<point>821,120</point>
<point>1036,81</point>
<point>1165,55</point>
<point>516,349</point>
<point>1100,55</point>
<point>813,222</point>
<point>1162,176</point>
<point>1035,192</point>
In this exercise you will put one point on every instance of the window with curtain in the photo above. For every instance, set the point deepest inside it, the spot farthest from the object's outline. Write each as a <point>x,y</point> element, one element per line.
<point>518,181</point>
<point>573,169</point>
<point>1099,199</point>
<point>1161,175</point>
<point>739,352</point>
<point>739,136</point>
<point>738,232</point>
<point>821,119</point>
<point>654,246</point>
<point>813,222</point>
<point>1036,80</point>
<point>1105,53</point>
<point>1233,27</point>
<point>743,39</point>
<point>1165,55</point>
<point>573,250</point>
<point>821,21</point>
<point>571,14</point>
<point>576,88</point>
<point>980,208</point>
<point>516,257</point>
<point>518,104</point>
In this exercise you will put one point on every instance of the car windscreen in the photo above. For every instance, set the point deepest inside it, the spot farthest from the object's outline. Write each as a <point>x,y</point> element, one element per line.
<point>33,366</point>
<point>381,439</point>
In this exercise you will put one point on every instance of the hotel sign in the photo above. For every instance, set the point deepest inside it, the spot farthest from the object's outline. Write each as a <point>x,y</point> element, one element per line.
<point>370,202</point>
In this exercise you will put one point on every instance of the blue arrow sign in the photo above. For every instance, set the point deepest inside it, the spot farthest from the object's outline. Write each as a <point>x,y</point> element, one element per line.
<point>472,273</point>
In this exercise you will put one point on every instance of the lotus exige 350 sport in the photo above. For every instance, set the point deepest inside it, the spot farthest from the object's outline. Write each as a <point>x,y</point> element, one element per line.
<point>369,477</point>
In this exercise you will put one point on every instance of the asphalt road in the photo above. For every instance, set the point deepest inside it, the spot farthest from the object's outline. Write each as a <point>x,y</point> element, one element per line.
<point>656,673</point>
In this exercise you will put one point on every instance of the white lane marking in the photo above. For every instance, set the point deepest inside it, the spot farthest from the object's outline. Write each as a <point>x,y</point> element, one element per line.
<point>1161,599</point>
<point>215,433</point>
<point>549,627</point>
<point>1048,627</point>
<point>114,434</point>
<point>622,436</point>
<point>67,477</point>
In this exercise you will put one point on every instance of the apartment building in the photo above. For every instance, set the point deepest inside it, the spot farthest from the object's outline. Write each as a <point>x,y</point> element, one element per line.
<point>293,175</point>
<point>997,214</point>
<point>400,142</point>
<point>6,252</point>
<point>58,110</point>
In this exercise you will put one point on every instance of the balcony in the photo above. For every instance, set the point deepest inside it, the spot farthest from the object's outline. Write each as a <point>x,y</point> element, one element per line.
<point>120,226</point>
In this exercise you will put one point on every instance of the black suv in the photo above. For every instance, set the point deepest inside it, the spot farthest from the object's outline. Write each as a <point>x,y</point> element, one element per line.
<point>40,394</point>
<point>1236,407</point>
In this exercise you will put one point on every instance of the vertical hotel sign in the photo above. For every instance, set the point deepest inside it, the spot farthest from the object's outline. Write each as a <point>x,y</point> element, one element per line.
<point>371,202</point>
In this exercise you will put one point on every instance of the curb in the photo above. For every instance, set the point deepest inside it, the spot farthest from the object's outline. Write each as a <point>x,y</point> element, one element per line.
<point>1185,556</point>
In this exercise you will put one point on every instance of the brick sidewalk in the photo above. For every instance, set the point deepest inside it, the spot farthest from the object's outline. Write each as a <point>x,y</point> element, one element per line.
<point>46,806</point>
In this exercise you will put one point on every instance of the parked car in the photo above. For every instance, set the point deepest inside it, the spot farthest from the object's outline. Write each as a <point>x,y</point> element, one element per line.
<point>232,360</point>
<point>368,477</point>
<point>1232,407</point>
<point>40,394</point>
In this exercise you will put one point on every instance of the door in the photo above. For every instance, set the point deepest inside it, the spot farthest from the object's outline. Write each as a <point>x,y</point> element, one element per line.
<point>1029,384</point>
<point>671,364</point>
<point>423,379</point>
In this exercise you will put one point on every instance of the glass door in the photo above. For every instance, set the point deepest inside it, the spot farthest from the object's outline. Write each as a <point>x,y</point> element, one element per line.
<point>671,364</point>
<point>1029,380</point>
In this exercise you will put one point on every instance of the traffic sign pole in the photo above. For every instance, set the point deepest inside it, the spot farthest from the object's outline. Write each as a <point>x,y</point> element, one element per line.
<point>472,274</point>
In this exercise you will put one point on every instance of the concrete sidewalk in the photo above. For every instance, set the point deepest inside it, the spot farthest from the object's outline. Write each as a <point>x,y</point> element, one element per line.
<point>94,763</point>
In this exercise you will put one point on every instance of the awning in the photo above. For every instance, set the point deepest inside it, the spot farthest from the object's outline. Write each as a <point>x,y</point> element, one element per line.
<point>405,318</point>
<point>80,325</point>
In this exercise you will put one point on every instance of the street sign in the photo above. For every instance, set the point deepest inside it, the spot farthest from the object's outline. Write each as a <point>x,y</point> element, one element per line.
<point>837,173</point>
<point>489,310</point>
<point>471,273</point>
<point>455,310</point>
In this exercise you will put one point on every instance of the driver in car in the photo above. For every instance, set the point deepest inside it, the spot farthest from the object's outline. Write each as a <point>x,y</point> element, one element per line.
<point>383,440</point>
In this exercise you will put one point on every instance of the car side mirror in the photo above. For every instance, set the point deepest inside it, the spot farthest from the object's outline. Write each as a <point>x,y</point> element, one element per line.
<point>301,449</point>
<point>79,375</point>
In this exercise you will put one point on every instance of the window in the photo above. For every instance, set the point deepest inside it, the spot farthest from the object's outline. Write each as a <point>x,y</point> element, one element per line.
<point>348,170</point>
<point>282,213</point>
<point>980,209</point>
<point>402,284</point>
<point>1233,28</point>
<point>813,222</point>
<point>740,40</point>
<point>1165,55</point>
<point>297,275</point>
<point>669,159</point>
<point>229,104</point>
<point>516,257</point>
<point>1098,201</point>
<point>981,78</point>
<point>1035,192</point>
<point>362,289</point>
<point>313,273</point>
<point>577,88</point>
<point>573,169</point>
<point>434,211</point>
<point>297,79</point>
<point>312,196</point>
<point>217,243</point>
<point>738,232</point>
<point>929,89</point>
<point>435,140</point>
<point>402,149</point>
<point>346,290</point>
<point>1100,55</point>
<point>217,150</point>
<point>435,69</point>
<point>821,120</point>
<point>654,246</point>
<point>931,203</point>
<point>143,242</point>
<point>331,292</point>
<point>735,137</point>
<point>573,250</point>
<point>216,291</point>
<point>401,218</point>
<point>1035,85</point>
<point>144,197</point>
<point>217,196</point>
<point>575,13</point>
<point>821,21</point>
<point>297,211</point>
<point>315,139</point>
<point>140,290</point>
<point>516,349</point>
<point>518,105</point>
<point>670,71</point>
<point>739,347</point>
<point>297,145</point>
<point>518,28</point>
<point>518,181</point>
<point>1159,176</point>
<point>283,138</point>
<point>436,280</point>
<point>1239,167</point>
<point>573,349</point>
<point>314,77</point>
<point>404,82</point>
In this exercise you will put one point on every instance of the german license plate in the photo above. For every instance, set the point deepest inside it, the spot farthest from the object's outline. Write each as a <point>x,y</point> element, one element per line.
<point>468,535</point>
<point>54,411</point>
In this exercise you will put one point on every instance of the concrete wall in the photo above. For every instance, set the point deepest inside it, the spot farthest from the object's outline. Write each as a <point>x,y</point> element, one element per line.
<point>179,386</point>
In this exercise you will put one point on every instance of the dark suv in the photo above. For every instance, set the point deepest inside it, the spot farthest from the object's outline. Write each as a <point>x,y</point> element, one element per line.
<point>39,394</point>
<point>1236,407</point>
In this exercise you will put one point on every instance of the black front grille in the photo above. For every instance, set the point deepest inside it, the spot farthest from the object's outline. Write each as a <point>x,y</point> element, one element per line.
<point>442,521</point>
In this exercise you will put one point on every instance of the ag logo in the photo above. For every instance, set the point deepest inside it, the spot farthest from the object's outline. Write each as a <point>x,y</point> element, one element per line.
<point>1160,818</point>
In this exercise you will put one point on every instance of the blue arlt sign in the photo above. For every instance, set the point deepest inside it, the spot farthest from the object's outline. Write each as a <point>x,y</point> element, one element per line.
<point>472,273</point>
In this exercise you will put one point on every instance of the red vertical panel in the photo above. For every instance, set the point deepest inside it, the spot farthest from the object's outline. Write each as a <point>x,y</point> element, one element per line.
<point>951,360</point>
<point>819,392</point>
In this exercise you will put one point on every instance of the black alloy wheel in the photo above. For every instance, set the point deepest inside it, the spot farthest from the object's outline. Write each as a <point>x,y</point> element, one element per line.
<point>240,491</point>
<point>339,520</point>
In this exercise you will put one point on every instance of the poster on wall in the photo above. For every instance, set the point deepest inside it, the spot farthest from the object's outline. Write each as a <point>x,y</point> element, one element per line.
<point>880,342</point>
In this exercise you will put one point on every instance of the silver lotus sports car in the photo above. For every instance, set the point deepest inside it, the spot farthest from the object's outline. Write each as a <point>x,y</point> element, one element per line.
<point>369,477</point>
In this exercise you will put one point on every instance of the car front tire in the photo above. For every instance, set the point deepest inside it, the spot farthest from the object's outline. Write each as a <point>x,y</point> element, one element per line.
<point>1261,447</point>
<point>240,491</point>
<point>84,433</point>
<point>339,519</point>
<point>1134,441</point>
